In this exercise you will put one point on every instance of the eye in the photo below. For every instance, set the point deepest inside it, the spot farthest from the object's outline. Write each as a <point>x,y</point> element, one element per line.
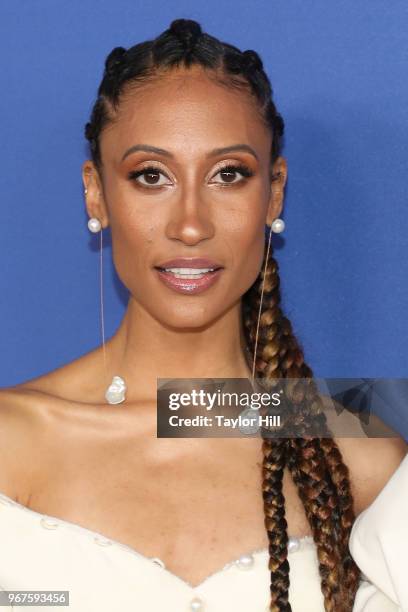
<point>151,177</point>
<point>230,172</point>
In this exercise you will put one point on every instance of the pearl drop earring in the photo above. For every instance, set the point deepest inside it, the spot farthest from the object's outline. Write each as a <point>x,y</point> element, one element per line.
<point>116,392</point>
<point>278,225</point>
<point>94,225</point>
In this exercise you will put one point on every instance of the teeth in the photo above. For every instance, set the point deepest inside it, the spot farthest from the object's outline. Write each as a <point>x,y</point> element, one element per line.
<point>189,270</point>
<point>188,273</point>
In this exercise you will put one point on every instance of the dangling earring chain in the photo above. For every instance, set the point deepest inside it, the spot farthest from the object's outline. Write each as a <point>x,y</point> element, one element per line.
<point>277,226</point>
<point>116,392</point>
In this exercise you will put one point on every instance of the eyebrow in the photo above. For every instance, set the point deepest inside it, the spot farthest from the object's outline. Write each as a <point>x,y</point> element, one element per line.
<point>213,153</point>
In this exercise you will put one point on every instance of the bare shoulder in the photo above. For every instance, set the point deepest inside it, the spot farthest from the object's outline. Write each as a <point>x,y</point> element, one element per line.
<point>20,408</point>
<point>33,417</point>
<point>38,402</point>
<point>23,425</point>
<point>371,463</point>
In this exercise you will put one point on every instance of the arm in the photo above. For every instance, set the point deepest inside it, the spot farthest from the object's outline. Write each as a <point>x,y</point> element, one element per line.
<point>379,540</point>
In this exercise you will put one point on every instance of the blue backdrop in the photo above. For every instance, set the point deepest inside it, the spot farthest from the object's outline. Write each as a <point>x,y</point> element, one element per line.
<point>339,75</point>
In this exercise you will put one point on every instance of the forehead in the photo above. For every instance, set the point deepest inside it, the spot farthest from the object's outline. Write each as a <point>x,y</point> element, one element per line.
<point>188,111</point>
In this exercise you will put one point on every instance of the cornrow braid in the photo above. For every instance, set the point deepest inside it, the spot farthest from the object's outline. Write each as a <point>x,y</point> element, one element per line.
<point>251,61</point>
<point>114,61</point>
<point>188,32</point>
<point>314,463</point>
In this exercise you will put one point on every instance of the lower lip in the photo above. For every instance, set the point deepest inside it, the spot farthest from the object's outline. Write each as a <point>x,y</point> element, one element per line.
<point>189,285</point>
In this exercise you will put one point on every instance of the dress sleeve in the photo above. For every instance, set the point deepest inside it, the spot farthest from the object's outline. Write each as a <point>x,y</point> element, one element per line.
<point>379,545</point>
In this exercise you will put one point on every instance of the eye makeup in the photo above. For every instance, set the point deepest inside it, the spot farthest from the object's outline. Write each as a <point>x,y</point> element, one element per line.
<point>230,168</point>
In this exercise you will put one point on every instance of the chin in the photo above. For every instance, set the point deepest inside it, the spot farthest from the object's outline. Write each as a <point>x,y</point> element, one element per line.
<point>184,316</point>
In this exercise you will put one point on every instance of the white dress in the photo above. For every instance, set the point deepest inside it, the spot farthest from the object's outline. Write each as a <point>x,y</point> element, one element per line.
<point>42,552</point>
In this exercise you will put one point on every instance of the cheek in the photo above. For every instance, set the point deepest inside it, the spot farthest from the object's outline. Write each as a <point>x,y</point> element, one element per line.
<point>131,244</point>
<point>250,262</point>
<point>246,243</point>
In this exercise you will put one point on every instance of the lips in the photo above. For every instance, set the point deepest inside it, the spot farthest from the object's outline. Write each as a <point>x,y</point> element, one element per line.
<point>189,262</point>
<point>178,274</point>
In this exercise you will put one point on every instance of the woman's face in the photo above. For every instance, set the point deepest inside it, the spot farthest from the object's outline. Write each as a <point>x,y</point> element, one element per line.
<point>189,205</point>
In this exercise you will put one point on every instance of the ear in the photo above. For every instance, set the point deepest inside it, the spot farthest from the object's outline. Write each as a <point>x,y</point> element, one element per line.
<point>95,203</point>
<point>279,173</point>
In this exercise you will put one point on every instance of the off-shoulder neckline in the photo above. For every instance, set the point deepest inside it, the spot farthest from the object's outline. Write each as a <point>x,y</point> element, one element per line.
<point>305,542</point>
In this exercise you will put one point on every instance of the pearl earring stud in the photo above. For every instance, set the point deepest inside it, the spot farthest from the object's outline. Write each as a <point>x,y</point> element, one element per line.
<point>94,225</point>
<point>278,225</point>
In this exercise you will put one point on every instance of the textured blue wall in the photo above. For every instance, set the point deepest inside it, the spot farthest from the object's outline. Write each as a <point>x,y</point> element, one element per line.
<point>339,74</point>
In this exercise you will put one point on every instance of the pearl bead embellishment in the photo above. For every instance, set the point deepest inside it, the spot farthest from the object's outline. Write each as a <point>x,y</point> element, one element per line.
<point>245,562</point>
<point>102,541</point>
<point>116,391</point>
<point>196,604</point>
<point>94,225</point>
<point>278,226</point>
<point>48,524</point>
<point>293,544</point>
<point>158,562</point>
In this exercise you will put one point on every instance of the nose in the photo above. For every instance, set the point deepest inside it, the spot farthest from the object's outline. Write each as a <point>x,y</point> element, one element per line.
<point>191,219</point>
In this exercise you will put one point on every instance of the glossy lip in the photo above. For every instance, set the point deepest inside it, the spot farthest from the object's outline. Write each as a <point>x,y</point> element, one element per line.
<point>189,286</point>
<point>189,262</point>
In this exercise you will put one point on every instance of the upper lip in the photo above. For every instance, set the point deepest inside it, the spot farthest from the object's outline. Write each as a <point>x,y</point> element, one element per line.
<point>189,262</point>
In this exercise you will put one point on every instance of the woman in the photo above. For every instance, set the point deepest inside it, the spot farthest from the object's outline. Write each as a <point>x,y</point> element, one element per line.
<point>185,145</point>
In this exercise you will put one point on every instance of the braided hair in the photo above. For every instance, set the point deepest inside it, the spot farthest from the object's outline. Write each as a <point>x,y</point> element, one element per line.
<point>315,464</point>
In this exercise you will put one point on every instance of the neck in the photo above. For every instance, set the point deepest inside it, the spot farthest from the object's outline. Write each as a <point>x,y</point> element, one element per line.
<point>143,349</point>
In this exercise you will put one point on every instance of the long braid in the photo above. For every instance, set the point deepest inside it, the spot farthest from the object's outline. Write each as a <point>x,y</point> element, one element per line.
<point>315,464</point>
<point>275,523</point>
<point>329,454</point>
<point>340,475</point>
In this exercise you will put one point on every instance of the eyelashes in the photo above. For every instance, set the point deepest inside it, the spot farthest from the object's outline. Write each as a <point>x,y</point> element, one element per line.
<point>148,170</point>
<point>233,168</point>
<point>152,171</point>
